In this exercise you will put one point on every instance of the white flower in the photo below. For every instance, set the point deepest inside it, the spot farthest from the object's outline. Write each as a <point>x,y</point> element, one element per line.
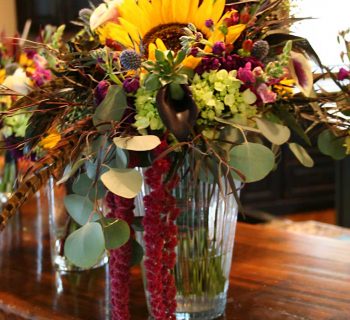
<point>18,82</point>
<point>103,13</point>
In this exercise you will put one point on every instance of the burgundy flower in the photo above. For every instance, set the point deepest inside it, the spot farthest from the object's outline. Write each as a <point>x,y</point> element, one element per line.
<point>219,47</point>
<point>101,91</point>
<point>131,85</point>
<point>343,74</point>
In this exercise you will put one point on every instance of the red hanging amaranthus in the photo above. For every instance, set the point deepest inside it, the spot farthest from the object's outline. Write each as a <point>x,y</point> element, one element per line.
<point>119,263</point>
<point>160,237</point>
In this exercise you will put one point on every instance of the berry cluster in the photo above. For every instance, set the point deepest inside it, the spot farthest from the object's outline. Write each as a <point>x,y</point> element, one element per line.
<point>119,263</point>
<point>160,240</point>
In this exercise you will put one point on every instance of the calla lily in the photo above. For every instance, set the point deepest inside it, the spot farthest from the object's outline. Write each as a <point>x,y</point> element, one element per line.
<point>300,70</point>
<point>18,82</point>
<point>103,13</point>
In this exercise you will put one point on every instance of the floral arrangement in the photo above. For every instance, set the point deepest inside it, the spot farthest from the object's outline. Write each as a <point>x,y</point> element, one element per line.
<point>200,87</point>
<point>21,71</point>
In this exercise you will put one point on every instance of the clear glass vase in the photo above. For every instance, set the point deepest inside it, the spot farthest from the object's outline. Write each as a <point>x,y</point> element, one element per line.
<point>61,226</point>
<point>206,231</point>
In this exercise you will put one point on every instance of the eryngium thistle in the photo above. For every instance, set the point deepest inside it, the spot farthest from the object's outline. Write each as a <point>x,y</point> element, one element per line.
<point>130,59</point>
<point>260,49</point>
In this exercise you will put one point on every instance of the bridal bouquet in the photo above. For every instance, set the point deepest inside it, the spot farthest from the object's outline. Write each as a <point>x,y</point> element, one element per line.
<point>180,100</point>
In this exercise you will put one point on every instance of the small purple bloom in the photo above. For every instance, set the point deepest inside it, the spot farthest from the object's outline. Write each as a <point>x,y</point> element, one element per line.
<point>101,91</point>
<point>343,74</point>
<point>245,74</point>
<point>131,85</point>
<point>219,47</point>
<point>194,51</point>
<point>209,23</point>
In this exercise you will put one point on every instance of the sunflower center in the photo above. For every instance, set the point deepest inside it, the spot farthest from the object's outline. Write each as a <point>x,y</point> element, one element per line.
<point>169,33</point>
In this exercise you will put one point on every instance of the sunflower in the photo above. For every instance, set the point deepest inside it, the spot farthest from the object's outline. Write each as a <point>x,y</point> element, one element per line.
<point>160,23</point>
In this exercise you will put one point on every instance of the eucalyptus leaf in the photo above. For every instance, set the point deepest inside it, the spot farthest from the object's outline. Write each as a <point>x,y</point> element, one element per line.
<point>70,171</point>
<point>152,82</point>
<point>253,160</point>
<point>85,246</point>
<point>275,133</point>
<point>111,108</point>
<point>137,143</point>
<point>123,182</point>
<point>80,208</point>
<point>301,154</point>
<point>84,186</point>
<point>121,158</point>
<point>117,233</point>
<point>137,224</point>
<point>137,253</point>
<point>283,113</point>
<point>331,145</point>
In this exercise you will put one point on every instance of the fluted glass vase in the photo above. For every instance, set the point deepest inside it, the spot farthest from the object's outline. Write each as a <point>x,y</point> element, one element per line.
<point>206,231</point>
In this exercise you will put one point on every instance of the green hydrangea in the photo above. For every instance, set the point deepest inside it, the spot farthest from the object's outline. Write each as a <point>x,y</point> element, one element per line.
<point>147,115</point>
<point>217,94</point>
<point>15,125</point>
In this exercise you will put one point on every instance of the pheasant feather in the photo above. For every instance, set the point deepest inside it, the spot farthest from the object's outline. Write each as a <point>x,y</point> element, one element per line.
<point>52,164</point>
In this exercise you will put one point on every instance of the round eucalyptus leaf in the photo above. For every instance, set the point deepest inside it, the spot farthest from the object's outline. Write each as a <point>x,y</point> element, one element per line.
<point>80,208</point>
<point>301,154</point>
<point>85,246</point>
<point>117,233</point>
<point>82,185</point>
<point>274,132</point>
<point>331,145</point>
<point>121,158</point>
<point>253,160</point>
<point>125,183</point>
<point>137,143</point>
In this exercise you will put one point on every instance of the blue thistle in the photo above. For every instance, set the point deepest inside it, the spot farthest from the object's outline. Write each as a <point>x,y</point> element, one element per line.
<point>130,59</point>
<point>260,49</point>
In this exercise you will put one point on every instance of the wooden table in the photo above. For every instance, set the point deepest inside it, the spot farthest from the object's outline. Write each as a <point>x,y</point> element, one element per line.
<point>275,275</point>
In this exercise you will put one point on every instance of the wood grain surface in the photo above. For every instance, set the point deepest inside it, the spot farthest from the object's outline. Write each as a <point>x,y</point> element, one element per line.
<point>275,275</point>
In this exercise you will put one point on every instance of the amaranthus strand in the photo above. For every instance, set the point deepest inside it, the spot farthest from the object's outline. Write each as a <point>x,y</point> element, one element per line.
<point>160,239</point>
<point>119,263</point>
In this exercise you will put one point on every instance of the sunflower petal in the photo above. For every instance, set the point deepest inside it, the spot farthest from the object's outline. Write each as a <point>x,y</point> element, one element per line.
<point>131,29</point>
<point>152,51</point>
<point>160,45</point>
<point>234,32</point>
<point>167,12</point>
<point>203,13</point>
<point>181,10</point>
<point>218,10</point>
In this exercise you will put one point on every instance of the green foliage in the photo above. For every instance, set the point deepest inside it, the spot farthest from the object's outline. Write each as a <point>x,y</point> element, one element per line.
<point>116,233</point>
<point>80,208</point>
<point>275,133</point>
<point>137,253</point>
<point>301,154</point>
<point>123,182</point>
<point>111,108</point>
<point>85,246</point>
<point>331,145</point>
<point>253,160</point>
<point>165,69</point>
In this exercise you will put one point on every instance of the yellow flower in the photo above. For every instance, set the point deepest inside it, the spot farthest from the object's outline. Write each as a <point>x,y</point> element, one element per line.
<point>161,22</point>
<point>25,62</point>
<point>285,87</point>
<point>2,75</point>
<point>51,140</point>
